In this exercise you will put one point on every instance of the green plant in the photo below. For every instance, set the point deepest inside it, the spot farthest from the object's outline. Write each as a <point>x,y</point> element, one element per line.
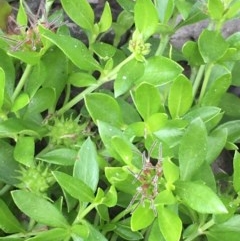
<point>73,166</point>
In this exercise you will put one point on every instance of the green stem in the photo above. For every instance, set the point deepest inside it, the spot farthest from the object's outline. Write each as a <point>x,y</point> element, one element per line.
<point>207,225</point>
<point>162,45</point>
<point>198,79</point>
<point>83,213</point>
<point>104,79</point>
<point>5,189</point>
<point>208,71</point>
<point>22,81</point>
<point>201,230</point>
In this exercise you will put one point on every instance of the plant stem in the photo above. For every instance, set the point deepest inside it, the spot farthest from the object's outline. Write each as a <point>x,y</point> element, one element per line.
<point>198,79</point>
<point>22,81</point>
<point>201,230</point>
<point>208,70</point>
<point>104,79</point>
<point>162,45</point>
<point>83,213</point>
<point>5,189</point>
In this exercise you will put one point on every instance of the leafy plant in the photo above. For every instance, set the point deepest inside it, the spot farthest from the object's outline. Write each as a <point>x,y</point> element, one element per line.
<point>85,160</point>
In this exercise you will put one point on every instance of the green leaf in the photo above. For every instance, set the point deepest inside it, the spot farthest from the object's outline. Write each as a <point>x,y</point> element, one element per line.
<point>216,140</point>
<point>2,84</point>
<point>127,5</point>
<point>233,129</point>
<point>5,11</point>
<point>28,57</point>
<point>165,9</point>
<point>80,12</point>
<point>216,9</point>
<point>155,233</point>
<point>170,170</point>
<point>165,197</point>
<point>106,132</point>
<point>169,223</point>
<point>180,96</point>
<point>206,176</point>
<point>145,17</point>
<point>106,19</point>
<point>56,234</point>
<point>171,132</point>
<point>210,115</point>
<point>22,18</point>
<point>81,79</point>
<point>126,233</point>
<point>12,127</point>
<point>110,199</point>
<point>24,150</point>
<point>8,222</point>
<point>233,10</point>
<point>86,166</point>
<point>199,197</point>
<point>105,108</point>
<point>226,231</point>
<point>8,165</point>
<point>72,48</point>
<point>124,22</point>
<point>121,179</point>
<point>156,122</point>
<point>123,148</point>
<point>160,76</point>
<point>147,100</point>
<point>42,100</point>
<point>103,50</point>
<point>39,209</point>
<point>193,149</point>
<point>55,70</point>
<point>212,45</point>
<point>74,186</point>
<point>36,78</point>
<point>20,102</point>
<point>62,157</point>
<point>137,220</point>
<point>236,172</point>
<point>216,91</point>
<point>6,63</point>
<point>191,53</point>
<point>127,76</point>
<point>94,234</point>
<point>230,105</point>
<point>80,230</point>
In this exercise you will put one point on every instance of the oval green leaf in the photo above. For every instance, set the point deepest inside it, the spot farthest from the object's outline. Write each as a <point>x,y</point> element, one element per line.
<point>75,187</point>
<point>212,45</point>
<point>24,150</point>
<point>39,209</point>
<point>160,70</point>
<point>193,149</point>
<point>86,166</point>
<point>73,48</point>
<point>147,100</point>
<point>62,157</point>
<point>105,108</point>
<point>142,217</point>
<point>80,12</point>
<point>180,96</point>
<point>169,223</point>
<point>146,17</point>
<point>199,197</point>
<point>8,222</point>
